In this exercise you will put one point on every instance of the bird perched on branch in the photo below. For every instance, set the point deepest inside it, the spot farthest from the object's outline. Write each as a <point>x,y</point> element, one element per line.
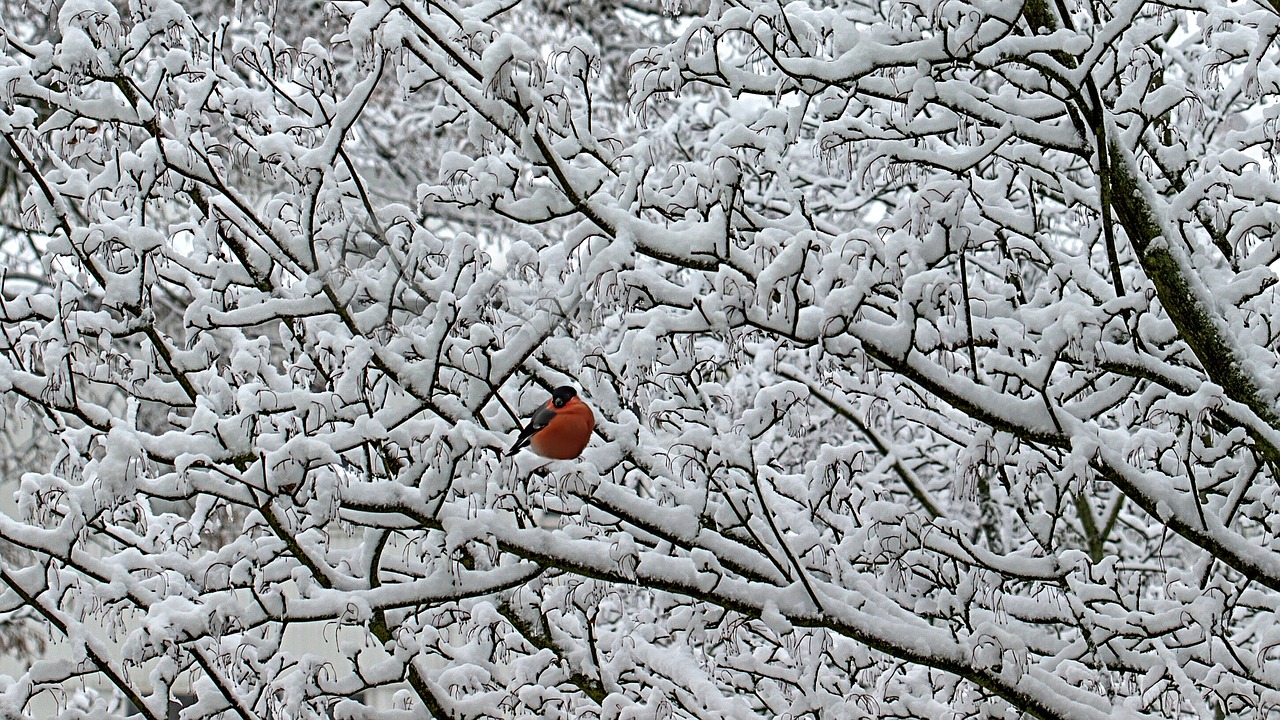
<point>559,429</point>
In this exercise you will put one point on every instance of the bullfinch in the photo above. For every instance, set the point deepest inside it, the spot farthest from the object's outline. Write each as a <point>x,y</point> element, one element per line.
<point>559,429</point>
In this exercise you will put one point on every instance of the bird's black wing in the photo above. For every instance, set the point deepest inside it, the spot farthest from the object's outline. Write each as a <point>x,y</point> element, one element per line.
<point>537,421</point>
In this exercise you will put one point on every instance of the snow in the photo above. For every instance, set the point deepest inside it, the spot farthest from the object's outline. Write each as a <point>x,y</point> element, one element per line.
<point>878,431</point>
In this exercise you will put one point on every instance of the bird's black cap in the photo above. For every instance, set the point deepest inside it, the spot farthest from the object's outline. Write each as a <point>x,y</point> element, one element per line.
<point>562,395</point>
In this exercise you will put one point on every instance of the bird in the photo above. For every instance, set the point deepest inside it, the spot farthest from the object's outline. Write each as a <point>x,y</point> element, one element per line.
<point>559,429</point>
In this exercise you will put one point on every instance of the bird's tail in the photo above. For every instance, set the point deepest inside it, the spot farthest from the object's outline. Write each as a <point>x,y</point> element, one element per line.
<point>518,445</point>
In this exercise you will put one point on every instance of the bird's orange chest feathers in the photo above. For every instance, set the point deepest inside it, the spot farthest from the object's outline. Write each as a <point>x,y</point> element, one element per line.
<point>568,432</point>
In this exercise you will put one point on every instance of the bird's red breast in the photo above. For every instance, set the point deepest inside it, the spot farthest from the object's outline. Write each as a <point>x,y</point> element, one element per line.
<point>568,432</point>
